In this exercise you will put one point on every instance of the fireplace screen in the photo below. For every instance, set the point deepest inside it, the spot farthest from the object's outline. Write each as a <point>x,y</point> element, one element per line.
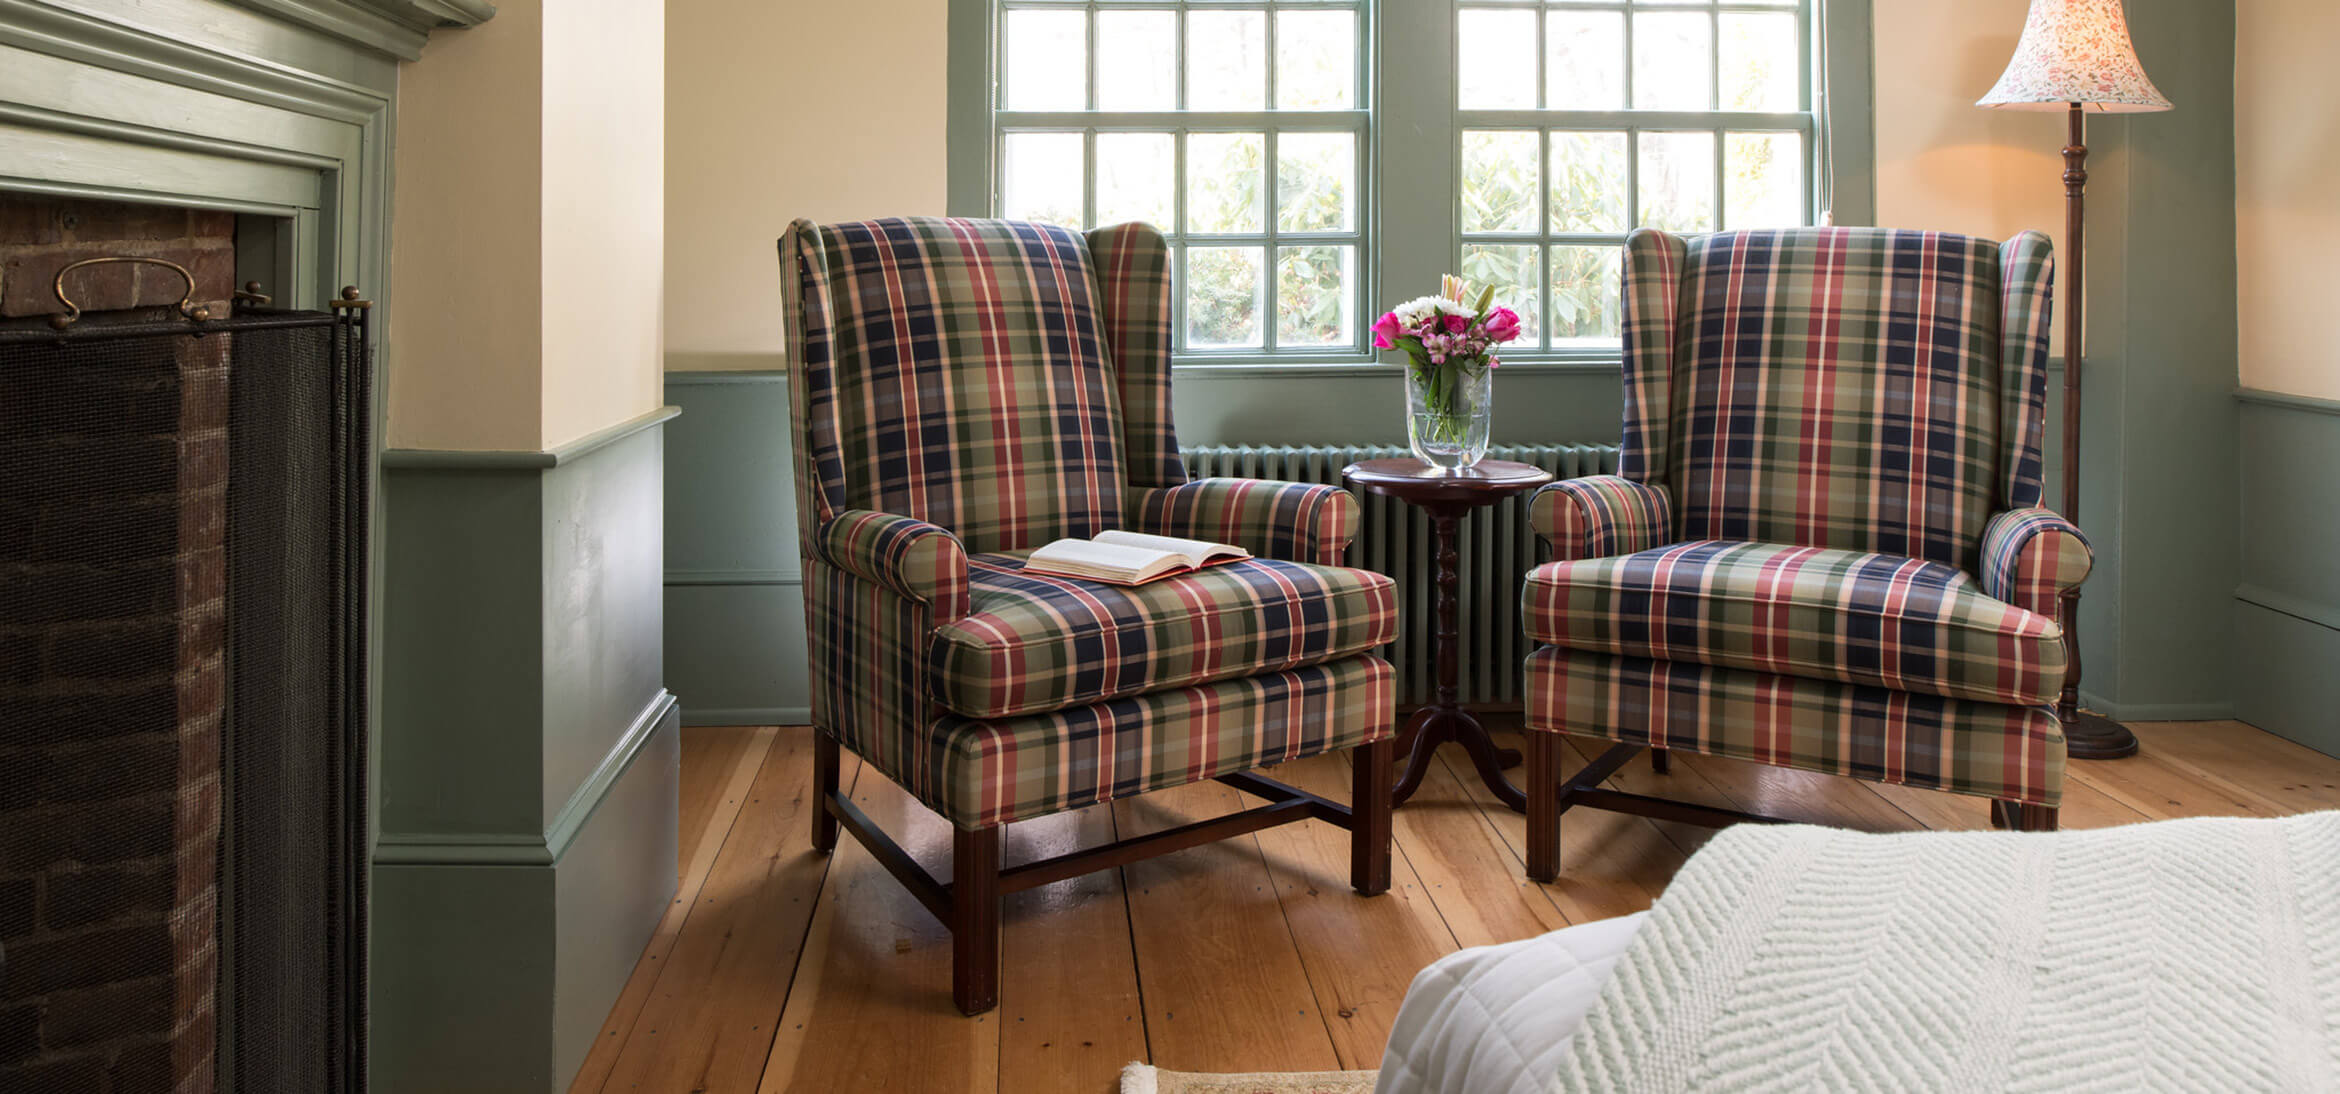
<point>182,704</point>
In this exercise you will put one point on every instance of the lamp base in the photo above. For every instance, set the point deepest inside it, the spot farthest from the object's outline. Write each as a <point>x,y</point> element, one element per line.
<point>2092,736</point>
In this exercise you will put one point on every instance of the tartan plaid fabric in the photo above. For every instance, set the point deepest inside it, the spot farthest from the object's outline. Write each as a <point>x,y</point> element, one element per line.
<point>1880,620</point>
<point>1600,515</point>
<point>1988,749</point>
<point>956,371</point>
<point>1297,522</point>
<point>912,558</point>
<point>1835,388</point>
<point>1133,279</point>
<point>2030,556</point>
<point>1654,265</point>
<point>1035,643</point>
<point>2027,284</point>
<point>981,772</point>
<point>955,389</point>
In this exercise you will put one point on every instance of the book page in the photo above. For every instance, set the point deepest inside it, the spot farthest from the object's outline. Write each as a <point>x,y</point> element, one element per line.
<point>1193,552</point>
<point>1085,558</point>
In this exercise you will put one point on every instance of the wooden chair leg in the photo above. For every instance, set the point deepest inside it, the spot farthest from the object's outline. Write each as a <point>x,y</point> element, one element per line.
<point>1369,805</point>
<point>826,763</point>
<point>975,902</point>
<point>2019,817</point>
<point>1660,760</point>
<point>1543,805</point>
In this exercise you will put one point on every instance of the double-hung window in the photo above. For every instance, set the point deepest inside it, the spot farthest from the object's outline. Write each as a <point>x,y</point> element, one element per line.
<point>1579,120</point>
<point>1313,161</point>
<point>1240,129</point>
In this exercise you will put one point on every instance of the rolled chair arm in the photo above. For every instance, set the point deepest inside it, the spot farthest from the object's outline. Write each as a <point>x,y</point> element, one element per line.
<point>914,559</point>
<point>1601,515</point>
<point>2030,556</point>
<point>1291,521</point>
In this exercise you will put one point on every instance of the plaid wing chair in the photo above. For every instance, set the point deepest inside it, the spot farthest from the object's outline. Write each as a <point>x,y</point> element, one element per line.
<point>965,391</point>
<point>1824,548</point>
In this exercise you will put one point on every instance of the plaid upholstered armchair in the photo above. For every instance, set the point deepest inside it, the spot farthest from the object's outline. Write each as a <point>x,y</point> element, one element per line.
<point>965,391</point>
<point>1824,547</point>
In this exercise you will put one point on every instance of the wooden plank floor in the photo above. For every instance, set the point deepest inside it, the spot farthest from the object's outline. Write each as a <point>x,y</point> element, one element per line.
<point>776,969</point>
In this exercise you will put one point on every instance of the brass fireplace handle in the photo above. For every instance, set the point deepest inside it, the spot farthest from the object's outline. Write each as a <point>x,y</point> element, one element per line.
<point>187,306</point>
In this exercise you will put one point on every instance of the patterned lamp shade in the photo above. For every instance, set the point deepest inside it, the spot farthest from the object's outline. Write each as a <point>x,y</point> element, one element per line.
<point>2075,51</point>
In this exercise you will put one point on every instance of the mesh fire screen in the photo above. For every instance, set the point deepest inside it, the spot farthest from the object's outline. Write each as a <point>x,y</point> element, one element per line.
<point>182,705</point>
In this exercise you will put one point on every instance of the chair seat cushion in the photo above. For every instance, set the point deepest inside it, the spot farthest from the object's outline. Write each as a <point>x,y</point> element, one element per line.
<point>1032,643</point>
<point>1879,620</point>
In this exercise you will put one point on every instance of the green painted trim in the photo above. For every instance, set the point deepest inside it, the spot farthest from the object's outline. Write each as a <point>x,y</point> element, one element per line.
<point>1192,370</point>
<point>1852,107</point>
<point>450,459</point>
<point>748,716</point>
<point>589,794</point>
<point>461,849</point>
<point>61,32</point>
<point>364,26</point>
<point>39,118</point>
<point>734,577</point>
<point>967,120</point>
<point>2297,607</point>
<point>2156,712</point>
<point>676,378</point>
<point>2287,400</point>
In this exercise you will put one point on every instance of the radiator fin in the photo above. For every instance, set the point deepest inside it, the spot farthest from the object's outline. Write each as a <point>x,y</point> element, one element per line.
<point>1496,549</point>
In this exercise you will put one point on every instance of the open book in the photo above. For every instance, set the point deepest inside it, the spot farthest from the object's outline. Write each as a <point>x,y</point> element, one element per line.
<point>1128,558</point>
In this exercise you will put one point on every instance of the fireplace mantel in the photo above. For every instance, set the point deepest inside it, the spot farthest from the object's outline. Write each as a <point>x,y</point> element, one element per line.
<point>396,27</point>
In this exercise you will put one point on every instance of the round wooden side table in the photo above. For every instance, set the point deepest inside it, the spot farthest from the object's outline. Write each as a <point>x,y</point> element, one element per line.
<point>1447,496</point>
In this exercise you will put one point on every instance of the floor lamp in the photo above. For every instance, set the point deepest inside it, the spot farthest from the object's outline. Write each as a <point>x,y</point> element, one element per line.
<point>2075,56</point>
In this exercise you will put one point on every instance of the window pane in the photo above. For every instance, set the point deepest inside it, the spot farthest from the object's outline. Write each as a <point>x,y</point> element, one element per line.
<point>1042,178</point>
<point>1584,294</point>
<point>1313,295</point>
<point>1499,181</point>
<point>1512,270</point>
<point>1226,60</point>
<point>1222,296</point>
<point>1316,181</point>
<point>1760,62</point>
<point>1498,51</point>
<point>1763,180</point>
<point>1673,60</point>
<point>1588,182</point>
<point>1137,60</point>
<point>1046,60</point>
<point>1316,60</point>
<point>1226,186</point>
<point>1677,181</point>
<point>1584,60</point>
<point>1135,178</point>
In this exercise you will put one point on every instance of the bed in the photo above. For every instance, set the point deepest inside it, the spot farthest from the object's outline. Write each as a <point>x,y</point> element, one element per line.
<point>2198,954</point>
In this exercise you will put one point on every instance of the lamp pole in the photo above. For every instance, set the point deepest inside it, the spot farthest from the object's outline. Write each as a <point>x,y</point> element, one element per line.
<point>2086,736</point>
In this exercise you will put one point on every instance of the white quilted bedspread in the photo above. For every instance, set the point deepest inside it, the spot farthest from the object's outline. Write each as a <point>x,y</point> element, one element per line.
<point>1496,1019</point>
<point>2182,956</point>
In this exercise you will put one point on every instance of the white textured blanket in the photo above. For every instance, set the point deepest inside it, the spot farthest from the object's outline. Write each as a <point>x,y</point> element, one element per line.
<point>2183,955</point>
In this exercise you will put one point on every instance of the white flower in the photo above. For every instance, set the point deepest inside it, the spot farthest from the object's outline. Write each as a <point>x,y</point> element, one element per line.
<point>1413,312</point>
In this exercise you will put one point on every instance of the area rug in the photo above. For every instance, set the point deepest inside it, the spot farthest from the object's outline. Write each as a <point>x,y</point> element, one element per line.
<point>1148,1079</point>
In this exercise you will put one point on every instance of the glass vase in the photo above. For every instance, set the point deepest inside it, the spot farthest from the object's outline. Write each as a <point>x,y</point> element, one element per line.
<point>1446,414</point>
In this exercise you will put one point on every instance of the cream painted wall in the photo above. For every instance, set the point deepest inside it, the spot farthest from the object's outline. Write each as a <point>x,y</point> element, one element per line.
<point>2287,193</point>
<point>1942,162</point>
<point>604,212</point>
<point>464,239</point>
<point>528,238</point>
<point>779,110</point>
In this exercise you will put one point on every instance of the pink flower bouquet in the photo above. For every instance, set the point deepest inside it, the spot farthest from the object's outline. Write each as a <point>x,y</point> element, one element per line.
<point>1450,345</point>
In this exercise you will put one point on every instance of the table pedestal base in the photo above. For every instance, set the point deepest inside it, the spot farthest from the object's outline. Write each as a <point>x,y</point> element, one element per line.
<point>1434,726</point>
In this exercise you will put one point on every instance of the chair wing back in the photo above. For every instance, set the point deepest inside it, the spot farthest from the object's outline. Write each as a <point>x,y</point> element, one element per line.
<point>1858,388</point>
<point>956,371</point>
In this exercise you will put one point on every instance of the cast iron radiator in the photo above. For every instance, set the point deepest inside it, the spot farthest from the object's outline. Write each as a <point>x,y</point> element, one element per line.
<point>183,511</point>
<point>1497,547</point>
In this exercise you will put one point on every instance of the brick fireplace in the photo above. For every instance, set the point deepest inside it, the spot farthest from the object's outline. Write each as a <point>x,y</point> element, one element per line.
<point>126,464</point>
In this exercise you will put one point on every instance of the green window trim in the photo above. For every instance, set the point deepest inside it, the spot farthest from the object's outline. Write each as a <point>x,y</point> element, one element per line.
<point>1406,220</point>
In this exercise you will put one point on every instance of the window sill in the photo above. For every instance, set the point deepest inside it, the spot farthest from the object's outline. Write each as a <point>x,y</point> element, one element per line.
<point>1219,368</point>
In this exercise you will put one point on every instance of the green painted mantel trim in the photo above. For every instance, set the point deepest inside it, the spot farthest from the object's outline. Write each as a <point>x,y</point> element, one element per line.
<point>62,32</point>
<point>396,27</point>
<point>450,459</point>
